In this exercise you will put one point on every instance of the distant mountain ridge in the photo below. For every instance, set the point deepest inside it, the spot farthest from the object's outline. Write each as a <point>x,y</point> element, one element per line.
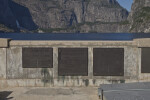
<point>84,16</point>
<point>63,15</point>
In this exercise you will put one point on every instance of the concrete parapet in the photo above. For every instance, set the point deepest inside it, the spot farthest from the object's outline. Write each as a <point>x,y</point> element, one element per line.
<point>12,72</point>
<point>4,43</point>
<point>143,42</point>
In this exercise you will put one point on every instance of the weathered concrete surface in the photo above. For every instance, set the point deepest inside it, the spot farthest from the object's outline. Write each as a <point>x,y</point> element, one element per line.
<point>18,76</point>
<point>2,63</point>
<point>72,43</point>
<point>61,82</point>
<point>144,42</point>
<point>15,70</point>
<point>59,93</point>
<point>14,60</point>
<point>131,62</point>
<point>4,42</point>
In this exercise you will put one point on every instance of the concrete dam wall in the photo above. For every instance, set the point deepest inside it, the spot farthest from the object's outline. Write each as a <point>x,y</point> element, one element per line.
<point>73,63</point>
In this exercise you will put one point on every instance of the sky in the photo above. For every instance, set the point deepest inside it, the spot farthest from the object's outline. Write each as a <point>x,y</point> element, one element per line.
<point>126,4</point>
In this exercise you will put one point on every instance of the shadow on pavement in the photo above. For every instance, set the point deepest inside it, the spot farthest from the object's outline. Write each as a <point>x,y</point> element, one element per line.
<point>4,95</point>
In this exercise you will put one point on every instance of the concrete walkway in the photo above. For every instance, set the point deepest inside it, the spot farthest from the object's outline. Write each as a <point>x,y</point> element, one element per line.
<point>67,93</point>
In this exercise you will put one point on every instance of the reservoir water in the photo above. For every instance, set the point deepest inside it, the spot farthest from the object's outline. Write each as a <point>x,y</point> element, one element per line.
<point>75,36</point>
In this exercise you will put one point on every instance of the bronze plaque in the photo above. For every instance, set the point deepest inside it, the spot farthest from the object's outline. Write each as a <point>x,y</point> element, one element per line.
<point>108,61</point>
<point>37,57</point>
<point>73,61</point>
<point>145,60</point>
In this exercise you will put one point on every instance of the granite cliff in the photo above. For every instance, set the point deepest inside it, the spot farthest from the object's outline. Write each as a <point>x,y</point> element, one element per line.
<point>64,15</point>
<point>140,16</point>
<point>73,16</point>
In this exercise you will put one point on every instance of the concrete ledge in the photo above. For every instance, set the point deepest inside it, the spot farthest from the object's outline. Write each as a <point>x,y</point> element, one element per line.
<point>72,43</point>
<point>4,42</point>
<point>143,42</point>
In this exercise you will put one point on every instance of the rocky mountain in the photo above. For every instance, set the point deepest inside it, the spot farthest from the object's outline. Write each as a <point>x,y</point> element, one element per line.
<point>140,16</point>
<point>64,15</point>
<point>82,16</point>
<point>15,16</point>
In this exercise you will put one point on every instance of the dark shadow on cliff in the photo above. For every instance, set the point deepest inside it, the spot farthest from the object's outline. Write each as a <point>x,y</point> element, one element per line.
<point>1,31</point>
<point>16,16</point>
<point>22,15</point>
<point>4,95</point>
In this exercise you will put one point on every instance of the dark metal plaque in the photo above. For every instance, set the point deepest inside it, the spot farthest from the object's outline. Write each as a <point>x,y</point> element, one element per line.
<point>73,62</point>
<point>108,61</point>
<point>145,60</point>
<point>37,57</point>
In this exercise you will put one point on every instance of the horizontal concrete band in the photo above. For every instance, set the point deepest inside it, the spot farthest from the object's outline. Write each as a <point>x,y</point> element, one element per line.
<point>143,42</point>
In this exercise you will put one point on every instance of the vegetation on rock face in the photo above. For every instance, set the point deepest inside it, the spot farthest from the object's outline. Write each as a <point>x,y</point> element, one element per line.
<point>145,13</point>
<point>142,16</point>
<point>126,22</point>
<point>3,28</point>
<point>77,28</point>
<point>50,30</point>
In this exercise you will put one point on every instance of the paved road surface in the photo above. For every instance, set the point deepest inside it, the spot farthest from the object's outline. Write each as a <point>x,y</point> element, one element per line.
<point>131,91</point>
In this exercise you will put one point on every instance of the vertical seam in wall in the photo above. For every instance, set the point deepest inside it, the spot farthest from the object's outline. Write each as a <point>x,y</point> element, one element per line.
<point>90,62</point>
<point>6,64</point>
<point>139,63</point>
<point>55,62</point>
<point>124,50</point>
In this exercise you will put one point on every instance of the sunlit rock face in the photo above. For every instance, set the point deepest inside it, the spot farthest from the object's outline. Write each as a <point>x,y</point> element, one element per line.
<point>139,16</point>
<point>70,15</point>
<point>84,16</point>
